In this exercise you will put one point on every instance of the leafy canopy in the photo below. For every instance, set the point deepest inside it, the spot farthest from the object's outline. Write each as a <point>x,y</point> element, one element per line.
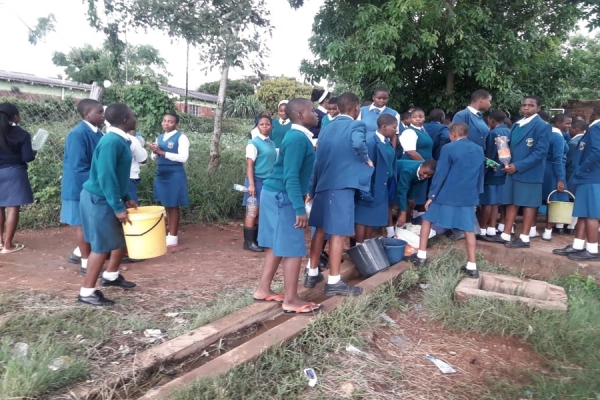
<point>235,88</point>
<point>435,53</point>
<point>272,91</point>
<point>142,64</point>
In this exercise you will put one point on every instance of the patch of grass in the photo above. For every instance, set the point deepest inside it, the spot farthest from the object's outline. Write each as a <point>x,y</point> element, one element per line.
<point>572,339</point>
<point>277,373</point>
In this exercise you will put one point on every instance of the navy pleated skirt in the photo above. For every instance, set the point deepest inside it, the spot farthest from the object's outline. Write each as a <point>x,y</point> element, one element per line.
<point>451,217</point>
<point>15,189</point>
<point>170,188</point>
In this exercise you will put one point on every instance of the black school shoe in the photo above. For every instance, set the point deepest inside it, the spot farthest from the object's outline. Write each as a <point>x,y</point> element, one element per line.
<point>471,273</point>
<point>312,281</point>
<point>73,259</point>
<point>419,262</point>
<point>96,299</point>
<point>323,260</point>
<point>342,288</point>
<point>517,244</point>
<point>566,251</point>
<point>119,282</point>
<point>496,239</point>
<point>584,256</point>
<point>558,231</point>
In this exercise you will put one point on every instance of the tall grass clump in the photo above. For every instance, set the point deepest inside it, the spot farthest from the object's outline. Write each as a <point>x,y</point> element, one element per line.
<point>571,339</point>
<point>277,373</point>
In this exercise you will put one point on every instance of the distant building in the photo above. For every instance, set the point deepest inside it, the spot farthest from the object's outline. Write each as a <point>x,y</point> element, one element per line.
<point>35,88</point>
<point>581,107</point>
<point>199,104</point>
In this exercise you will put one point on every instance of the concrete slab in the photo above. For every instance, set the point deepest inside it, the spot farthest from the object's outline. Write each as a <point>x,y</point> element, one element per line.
<point>195,341</point>
<point>529,292</point>
<point>276,336</point>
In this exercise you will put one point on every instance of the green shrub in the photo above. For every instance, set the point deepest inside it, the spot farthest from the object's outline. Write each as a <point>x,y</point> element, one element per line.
<point>243,107</point>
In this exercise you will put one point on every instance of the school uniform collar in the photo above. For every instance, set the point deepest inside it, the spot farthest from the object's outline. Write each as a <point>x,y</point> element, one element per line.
<point>372,107</point>
<point>556,130</point>
<point>302,129</point>
<point>284,121</point>
<point>330,118</point>
<point>345,115</point>
<point>169,134</point>
<point>323,109</point>
<point>92,127</point>
<point>416,128</point>
<point>418,169</point>
<point>120,133</point>
<point>263,137</point>
<point>474,111</point>
<point>578,135</point>
<point>594,123</point>
<point>527,120</point>
<point>380,136</point>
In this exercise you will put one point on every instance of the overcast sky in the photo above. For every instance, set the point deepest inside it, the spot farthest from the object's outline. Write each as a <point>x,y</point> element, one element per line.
<point>288,46</point>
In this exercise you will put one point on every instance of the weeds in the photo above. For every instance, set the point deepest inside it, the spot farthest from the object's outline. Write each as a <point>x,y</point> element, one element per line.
<point>277,373</point>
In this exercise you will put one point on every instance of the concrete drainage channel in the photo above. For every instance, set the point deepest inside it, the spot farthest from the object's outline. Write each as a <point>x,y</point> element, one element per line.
<point>241,337</point>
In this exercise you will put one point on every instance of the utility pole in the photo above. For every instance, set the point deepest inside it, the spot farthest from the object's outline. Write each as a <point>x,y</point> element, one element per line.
<point>187,70</point>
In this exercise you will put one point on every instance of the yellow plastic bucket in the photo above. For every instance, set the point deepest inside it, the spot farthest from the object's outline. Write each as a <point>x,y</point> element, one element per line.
<point>145,236</point>
<point>560,212</point>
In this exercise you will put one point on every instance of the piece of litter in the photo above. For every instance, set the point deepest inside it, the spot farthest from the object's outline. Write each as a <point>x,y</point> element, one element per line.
<point>115,363</point>
<point>312,376</point>
<point>171,314</point>
<point>387,318</point>
<point>358,352</point>
<point>60,362</point>
<point>530,329</point>
<point>204,354</point>
<point>442,365</point>
<point>452,353</point>
<point>418,306</point>
<point>424,285</point>
<point>127,332</point>
<point>124,349</point>
<point>398,341</point>
<point>20,351</point>
<point>154,333</point>
<point>78,337</point>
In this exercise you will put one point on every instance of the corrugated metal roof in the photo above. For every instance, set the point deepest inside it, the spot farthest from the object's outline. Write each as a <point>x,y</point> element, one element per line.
<point>36,80</point>
<point>192,94</point>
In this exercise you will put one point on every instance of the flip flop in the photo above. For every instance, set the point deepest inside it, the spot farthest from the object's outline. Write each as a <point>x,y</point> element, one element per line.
<point>309,308</point>
<point>14,249</point>
<point>277,298</point>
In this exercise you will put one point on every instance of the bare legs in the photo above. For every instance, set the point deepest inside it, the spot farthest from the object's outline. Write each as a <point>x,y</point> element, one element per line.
<point>84,247</point>
<point>173,215</point>
<point>9,219</point>
<point>363,232</point>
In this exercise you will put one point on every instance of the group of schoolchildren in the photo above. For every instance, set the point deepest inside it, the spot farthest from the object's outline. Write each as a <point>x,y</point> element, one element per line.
<point>341,169</point>
<point>101,172</point>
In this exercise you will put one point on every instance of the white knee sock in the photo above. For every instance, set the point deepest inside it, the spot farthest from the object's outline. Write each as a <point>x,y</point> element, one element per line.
<point>422,254</point>
<point>390,231</point>
<point>84,262</point>
<point>501,227</point>
<point>592,247</point>
<point>482,231</point>
<point>332,280</point>
<point>491,231</point>
<point>110,276</point>
<point>547,234</point>
<point>471,266</point>
<point>524,238</point>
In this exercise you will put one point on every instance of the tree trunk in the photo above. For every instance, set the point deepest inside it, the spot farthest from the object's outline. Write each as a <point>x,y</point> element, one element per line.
<point>213,160</point>
<point>450,82</point>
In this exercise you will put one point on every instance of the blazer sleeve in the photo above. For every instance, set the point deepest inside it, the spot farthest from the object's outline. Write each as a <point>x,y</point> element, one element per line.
<point>540,151</point>
<point>80,156</point>
<point>292,164</point>
<point>593,157</point>
<point>404,182</point>
<point>558,159</point>
<point>27,153</point>
<point>441,174</point>
<point>481,176</point>
<point>460,117</point>
<point>359,143</point>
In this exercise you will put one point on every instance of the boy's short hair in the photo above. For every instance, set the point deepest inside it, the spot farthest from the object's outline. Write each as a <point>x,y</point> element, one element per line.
<point>480,94</point>
<point>386,119</point>
<point>295,105</point>
<point>380,89</point>
<point>346,101</point>
<point>558,118</point>
<point>333,100</point>
<point>86,105</point>
<point>437,114</point>
<point>498,116</point>
<point>405,115</point>
<point>581,125</point>
<point>116,113</point>
<point>416,110</point>
<point>544,115</point>
<point>460,128</point>
<point>537,99</point>
<point>174,115</point>
<point>430,163</point>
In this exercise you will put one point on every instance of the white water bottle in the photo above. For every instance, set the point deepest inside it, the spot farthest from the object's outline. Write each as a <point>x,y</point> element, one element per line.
<point>240,188</point>
<point>251,207</point>
<point>39,139</point>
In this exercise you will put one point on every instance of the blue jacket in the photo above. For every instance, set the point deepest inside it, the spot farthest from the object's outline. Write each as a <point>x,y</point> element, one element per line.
<point>380,155</point>
<point>458,178</point>
<point>440,135</point>
<point>573,147</point>
<point>341,157</point>
<point>315,130</point>
<point>80,144</point>
<point>406,172</point>
<point>529,150</point>
<point>478,130</point>
<point>491,151</point>
<point>587,159</point>
<point>369,117</point>
<point>557,155</point>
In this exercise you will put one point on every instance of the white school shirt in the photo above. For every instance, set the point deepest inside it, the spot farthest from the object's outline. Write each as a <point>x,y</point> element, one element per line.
<point>139,156</point>
<point>408,139</point>
<point>473,111</point>
<point>323,109</point>
<point>527,120</point>
<point>380,136</point>
<point>182,154</point>
<point>372,107</point>
<point>594,123</point>
<point>251,150</point>
<point>92,127</point>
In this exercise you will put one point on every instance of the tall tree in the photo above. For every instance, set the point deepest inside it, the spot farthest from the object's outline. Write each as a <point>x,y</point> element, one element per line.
<point>87,64</point>
<point>44,26</point>
<point>227,32</point>
<point>435,53</point>
<point>584,55</point>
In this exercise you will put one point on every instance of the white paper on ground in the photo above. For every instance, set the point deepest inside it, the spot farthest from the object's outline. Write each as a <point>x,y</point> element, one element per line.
<point>442,365</point>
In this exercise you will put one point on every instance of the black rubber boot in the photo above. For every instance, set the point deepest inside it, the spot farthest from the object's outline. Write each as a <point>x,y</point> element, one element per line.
<point>250,238</point>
